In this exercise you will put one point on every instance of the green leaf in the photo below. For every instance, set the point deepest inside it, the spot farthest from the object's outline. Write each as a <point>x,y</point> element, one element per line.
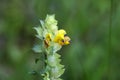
<point>42,24</point>
<point>39,32</point>
<point>57,55</point>
<point>56,47</point>
<point>37,48</point>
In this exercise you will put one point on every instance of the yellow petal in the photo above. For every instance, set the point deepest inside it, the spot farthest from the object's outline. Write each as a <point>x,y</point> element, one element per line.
<point>61,31</point>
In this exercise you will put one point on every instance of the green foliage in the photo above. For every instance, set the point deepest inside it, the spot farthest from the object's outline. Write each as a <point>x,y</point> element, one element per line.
<point>37,48</point>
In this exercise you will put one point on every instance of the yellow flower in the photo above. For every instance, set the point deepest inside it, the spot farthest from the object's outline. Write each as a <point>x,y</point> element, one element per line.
<point>48,37</point>
<point>47,40</point>
<point>61,38</point>
<point>66,40</point>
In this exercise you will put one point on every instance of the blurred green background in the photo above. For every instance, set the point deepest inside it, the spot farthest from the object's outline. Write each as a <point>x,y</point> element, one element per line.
<point>86,22</point>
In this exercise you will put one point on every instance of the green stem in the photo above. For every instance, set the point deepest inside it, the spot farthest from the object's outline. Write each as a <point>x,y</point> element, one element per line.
<point>110,37</point>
